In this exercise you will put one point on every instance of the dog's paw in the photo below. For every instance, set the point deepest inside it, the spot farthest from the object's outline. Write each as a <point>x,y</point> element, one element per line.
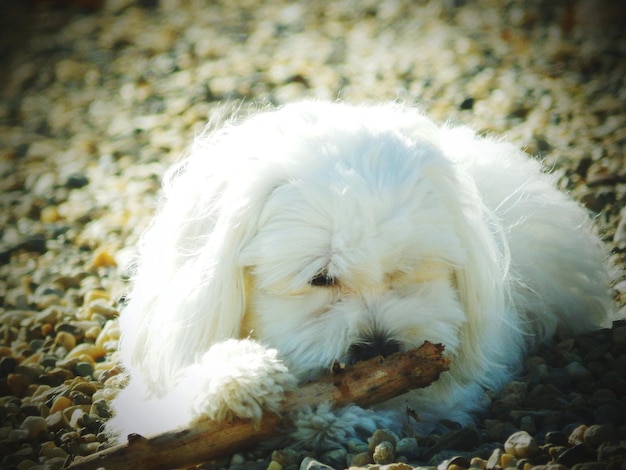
<point>236,379</point>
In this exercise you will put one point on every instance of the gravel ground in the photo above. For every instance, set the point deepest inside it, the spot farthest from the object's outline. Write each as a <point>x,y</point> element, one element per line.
<point>99,97</point>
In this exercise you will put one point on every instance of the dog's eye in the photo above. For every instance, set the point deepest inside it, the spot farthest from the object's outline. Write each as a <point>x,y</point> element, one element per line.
<point>323,279</point>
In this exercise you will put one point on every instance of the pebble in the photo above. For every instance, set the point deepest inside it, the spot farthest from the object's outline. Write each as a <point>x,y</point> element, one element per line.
<point>309,463</point>
<point>362,459</point>
<point>384,453</point>
<point>34,425</point>
<point>57,421</point>
<point>287,458</point>
<point>407,447</point>
<point>65,340</point>
<point>94,351</point>
<point>577,436</point>
<point>598,434</point>
<point>521,445</point>
<point>381,435</point>
<point>273,465</point>
<point>50,450</point>
<point>17,384</point>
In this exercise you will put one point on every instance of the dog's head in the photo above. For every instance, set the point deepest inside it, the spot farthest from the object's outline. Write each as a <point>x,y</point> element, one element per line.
<point>324,231</point>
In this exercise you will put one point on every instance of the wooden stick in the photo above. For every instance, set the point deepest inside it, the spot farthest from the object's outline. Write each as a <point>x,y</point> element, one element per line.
<point>366,383</point>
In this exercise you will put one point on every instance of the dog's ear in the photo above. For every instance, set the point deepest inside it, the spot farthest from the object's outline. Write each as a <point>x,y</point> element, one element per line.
<point>482,279</point>
<point>188,290</point>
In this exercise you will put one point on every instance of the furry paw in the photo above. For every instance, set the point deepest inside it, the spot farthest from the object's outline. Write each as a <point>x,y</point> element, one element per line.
<point>236,379</point>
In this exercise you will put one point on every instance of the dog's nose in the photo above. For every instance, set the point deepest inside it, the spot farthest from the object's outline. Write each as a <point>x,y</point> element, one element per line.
<point>372,346</point>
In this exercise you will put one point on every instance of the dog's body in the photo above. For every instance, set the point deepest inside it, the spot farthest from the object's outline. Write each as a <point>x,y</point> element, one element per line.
<point>325,231</point>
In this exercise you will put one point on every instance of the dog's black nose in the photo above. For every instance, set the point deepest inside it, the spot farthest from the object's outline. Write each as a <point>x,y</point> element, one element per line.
<point>372,346</point>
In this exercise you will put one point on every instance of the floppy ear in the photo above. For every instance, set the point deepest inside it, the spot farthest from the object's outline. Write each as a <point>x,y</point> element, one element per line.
<point>482,280</point>
<point>188,290</point>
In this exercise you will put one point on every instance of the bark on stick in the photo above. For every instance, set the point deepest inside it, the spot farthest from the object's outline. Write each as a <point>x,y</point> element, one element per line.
<point>365,383</point>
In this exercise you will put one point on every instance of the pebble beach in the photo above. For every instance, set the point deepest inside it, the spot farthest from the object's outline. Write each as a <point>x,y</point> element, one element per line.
<point>99,97</point>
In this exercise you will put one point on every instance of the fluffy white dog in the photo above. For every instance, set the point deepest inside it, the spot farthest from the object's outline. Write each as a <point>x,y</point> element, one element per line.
<point>323,231</point>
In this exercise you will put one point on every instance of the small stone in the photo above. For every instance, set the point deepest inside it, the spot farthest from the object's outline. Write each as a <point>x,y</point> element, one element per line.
<point>92,333</point>
<point>75,418</point>
<point>590,466</point>
<point>285,457</point>
<point>79,398</point>
<point>56,376</point>
<point>612,451</point>
<point>92,350</point>
<point>384,453</point>
<point>577,371</point>
<point>467,104</point>
<point>69,69</point>
<point>17,384</point>
<point>577,436</point>
<point>18,434</point>
<point>381,435</point>
<point>362,459</point>
<point>95,294</point>
<point>464,439</point>
<point>102,307</point>
<point>56,421</point>
<point>50,450</point>
<point>55,463</point>
<point>556,438</point>
<point>76,331</point>
<point>618,334</point>
<point>110,332</point>
<point>66,340</point>
<point>407,447</point>
<point>237,459</point>
<point>310,463</point>
<point>521,445</point>
<point>26,464</point>
<point>101,408</point>
<point>103,258</point>
<point>397,466</point>
<point>49,215</point>
<point>597,434</point>
<point>34,425</point>
<point>84,369</point>
<point>48,360</point>
<point>514,392</point>
<point>88,388</point>
<point>76,181</point>
<point>601,397</point>
<point>576,454</point>
<point>60,403</point>
<point>88,448</point>
<point>478,463</point>
<point>527,423</point>
<point>273,465</point>
<point>508,461</point>
<point>7,365</point>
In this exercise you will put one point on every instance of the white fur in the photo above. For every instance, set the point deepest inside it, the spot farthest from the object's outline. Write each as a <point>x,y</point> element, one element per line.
<point>432,233</point>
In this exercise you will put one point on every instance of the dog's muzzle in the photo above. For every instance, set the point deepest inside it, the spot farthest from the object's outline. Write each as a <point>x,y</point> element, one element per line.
<point>372,346</point>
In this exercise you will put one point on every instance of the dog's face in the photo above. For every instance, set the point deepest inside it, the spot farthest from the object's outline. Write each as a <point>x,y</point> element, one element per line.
<point>355,255</point>
<point>325,232</point>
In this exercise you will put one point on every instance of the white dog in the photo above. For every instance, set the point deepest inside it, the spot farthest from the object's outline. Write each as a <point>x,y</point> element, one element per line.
<point>323,231</point>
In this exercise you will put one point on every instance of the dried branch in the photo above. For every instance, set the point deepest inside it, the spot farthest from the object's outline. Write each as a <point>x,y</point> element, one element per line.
<point>366,383</point>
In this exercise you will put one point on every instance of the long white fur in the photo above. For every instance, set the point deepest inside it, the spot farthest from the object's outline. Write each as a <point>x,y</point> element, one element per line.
<point>432,232</point>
